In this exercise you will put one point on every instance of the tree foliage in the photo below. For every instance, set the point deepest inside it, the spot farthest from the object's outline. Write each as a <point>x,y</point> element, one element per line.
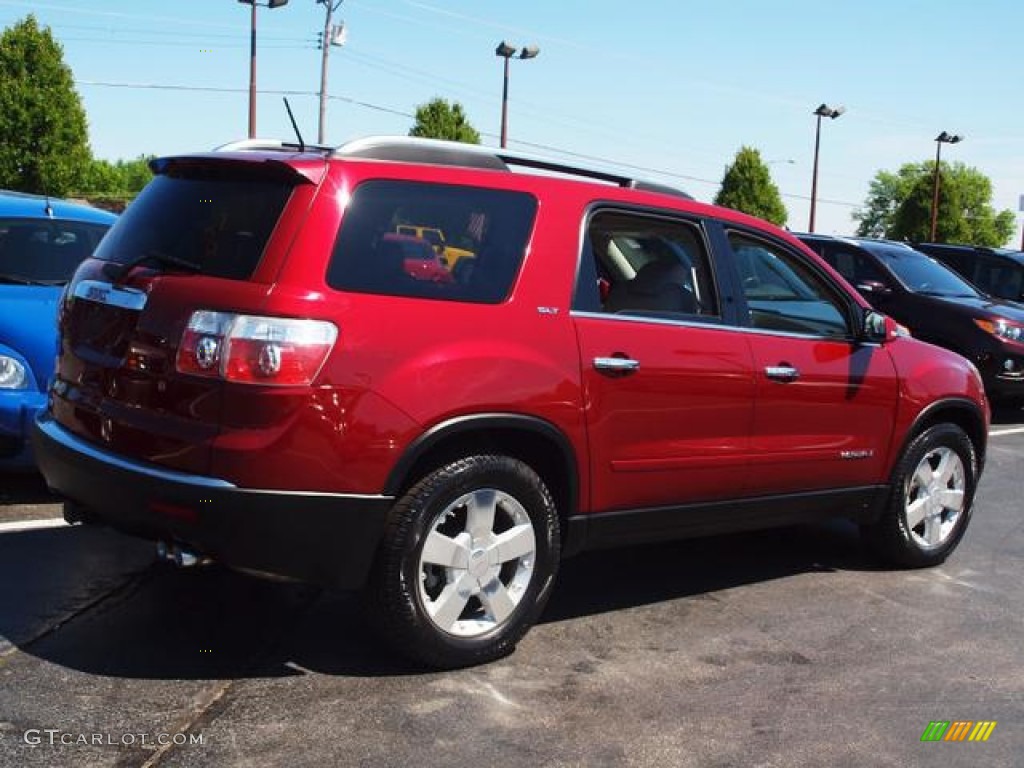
<point>439,119</point>
<point>899,206</point>
<point>747,186</point>
<point>44,145</point>
<point>113,185</point>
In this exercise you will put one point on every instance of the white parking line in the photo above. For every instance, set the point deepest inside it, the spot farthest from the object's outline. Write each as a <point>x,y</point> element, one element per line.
<point>1000,432</point>
<point>32,525</point>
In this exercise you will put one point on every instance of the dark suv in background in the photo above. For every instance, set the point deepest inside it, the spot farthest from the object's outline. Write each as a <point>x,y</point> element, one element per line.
<point>936,305</point>
<point>996,271</point>
<point>249,370</point>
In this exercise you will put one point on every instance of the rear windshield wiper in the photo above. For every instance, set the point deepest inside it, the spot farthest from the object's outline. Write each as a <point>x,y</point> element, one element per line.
<point>158,256</point>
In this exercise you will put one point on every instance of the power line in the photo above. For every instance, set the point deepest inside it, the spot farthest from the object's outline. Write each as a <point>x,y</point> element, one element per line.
<point>402,113</point>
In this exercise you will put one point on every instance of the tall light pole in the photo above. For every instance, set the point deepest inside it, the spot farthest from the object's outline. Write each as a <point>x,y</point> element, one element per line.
<point>823,111</point>
<point>942,138</point>
<point>506,51</point>
<point>252,58</point>
<point>331,36</point>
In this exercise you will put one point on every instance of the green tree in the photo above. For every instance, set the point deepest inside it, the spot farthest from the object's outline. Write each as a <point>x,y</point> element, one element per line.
<point>747,186</point>
<point>899,206</point>
<point>113,185</point>
<point>44,143</point>
<point>437,119</point>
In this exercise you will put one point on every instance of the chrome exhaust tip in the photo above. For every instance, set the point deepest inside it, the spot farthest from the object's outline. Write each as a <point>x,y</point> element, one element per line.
<point>179,556</point>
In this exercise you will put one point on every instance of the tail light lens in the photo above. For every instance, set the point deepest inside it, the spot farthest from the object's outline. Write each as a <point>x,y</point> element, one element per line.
<point>279,351</point>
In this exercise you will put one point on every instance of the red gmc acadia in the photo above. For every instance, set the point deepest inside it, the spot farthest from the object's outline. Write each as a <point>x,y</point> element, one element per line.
<point>250,372</point>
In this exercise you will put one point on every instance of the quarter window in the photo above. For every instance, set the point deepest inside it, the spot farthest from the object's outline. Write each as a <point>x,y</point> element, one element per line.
<point>433,241</point>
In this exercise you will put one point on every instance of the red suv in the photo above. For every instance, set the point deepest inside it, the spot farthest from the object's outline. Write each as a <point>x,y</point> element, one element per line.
<point>248,372</point>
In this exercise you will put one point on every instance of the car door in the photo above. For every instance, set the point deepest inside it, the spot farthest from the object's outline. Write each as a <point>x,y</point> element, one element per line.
<point>668,387</point>
<point>825,401</point>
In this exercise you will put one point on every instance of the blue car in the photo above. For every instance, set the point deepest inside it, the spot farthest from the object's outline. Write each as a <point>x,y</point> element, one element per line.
<point>42,241</point>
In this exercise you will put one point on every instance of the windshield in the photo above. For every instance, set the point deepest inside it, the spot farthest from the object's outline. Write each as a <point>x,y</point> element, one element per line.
<point>218,225</point>
<point>921,274</point>
<point>44,251</point>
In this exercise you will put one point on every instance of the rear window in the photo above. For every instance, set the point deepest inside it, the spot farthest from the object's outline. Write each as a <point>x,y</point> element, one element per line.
<point>488,228</point>
<point>219,223</point>
<point>44,251</point>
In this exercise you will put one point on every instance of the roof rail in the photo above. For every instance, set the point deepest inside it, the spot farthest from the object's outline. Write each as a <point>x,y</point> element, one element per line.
<point>437,152</point>
<point>273,145</point>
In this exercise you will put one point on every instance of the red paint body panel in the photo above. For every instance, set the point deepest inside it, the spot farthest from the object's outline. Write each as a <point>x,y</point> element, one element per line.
<point>830,427</point>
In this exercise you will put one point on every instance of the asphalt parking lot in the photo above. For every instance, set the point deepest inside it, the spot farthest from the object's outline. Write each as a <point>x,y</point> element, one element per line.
<point>781,648</point>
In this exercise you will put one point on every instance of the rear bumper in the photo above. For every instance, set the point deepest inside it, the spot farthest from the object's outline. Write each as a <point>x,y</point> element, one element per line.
<point>330,539</point>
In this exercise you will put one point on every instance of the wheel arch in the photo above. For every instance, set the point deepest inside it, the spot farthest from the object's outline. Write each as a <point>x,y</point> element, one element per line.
<point>532,440</point>
<point>963,413</point>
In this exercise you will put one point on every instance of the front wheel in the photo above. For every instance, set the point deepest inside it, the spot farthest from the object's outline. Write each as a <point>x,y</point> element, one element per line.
<point>930,500</point>
<point>467,562</point>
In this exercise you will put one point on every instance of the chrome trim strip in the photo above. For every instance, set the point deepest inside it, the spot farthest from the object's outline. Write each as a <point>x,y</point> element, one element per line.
<point>108,293</point>
<point>721,326</point>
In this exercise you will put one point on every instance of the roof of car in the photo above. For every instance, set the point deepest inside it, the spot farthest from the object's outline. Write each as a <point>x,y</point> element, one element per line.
<point>1017,256</point>
<point>26,206</point>
<point>413,149</point>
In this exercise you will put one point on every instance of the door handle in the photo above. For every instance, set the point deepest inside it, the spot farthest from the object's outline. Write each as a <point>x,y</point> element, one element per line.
<point>784,373</point>
<point>616,364</point>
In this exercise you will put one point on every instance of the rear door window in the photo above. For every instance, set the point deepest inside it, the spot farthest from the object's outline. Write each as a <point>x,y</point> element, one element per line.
<point>215,220</point>
<point>385,219</point>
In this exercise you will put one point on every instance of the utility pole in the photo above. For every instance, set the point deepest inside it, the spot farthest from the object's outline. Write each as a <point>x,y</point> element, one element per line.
<point>331,36</point>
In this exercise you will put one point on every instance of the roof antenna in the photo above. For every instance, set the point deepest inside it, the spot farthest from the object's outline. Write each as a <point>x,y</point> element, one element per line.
<point>295,126</point>
<point>48,210</point>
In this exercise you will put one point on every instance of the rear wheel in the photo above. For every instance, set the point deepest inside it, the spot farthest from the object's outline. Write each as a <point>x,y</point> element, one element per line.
<point>930,500</point>
<point>467,562</point>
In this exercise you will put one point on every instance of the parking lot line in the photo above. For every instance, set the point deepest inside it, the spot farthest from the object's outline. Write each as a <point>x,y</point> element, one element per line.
<point>1000,432</point>
<point>32,525</point>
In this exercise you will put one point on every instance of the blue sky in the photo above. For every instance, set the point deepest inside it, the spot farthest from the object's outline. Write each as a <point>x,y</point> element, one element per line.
<point>672,87</point>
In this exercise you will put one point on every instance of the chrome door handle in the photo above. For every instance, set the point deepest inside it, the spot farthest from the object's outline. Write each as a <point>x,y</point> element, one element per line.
<point>783,373</point>
<point>616,364</point>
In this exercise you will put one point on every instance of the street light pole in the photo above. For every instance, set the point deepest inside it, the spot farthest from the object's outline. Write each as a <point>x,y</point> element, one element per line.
<point>823,111</point>
<point>942,138</point>
<point>506,51</point>
<point>252,58</point>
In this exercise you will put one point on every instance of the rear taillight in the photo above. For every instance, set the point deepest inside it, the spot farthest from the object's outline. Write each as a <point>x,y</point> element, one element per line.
<point>281,351</point>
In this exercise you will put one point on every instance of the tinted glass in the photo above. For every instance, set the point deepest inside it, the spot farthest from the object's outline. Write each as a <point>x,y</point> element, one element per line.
<point>220,223</point>
<point>490,228</point>
<point>922,274</point>
<point>783,293</point>
<point>645,265</point>
<point>44,250</point>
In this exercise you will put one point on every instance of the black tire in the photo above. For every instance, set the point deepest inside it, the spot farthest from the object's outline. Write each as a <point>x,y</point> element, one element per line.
<point>928,535</point>
<point>414,603</point>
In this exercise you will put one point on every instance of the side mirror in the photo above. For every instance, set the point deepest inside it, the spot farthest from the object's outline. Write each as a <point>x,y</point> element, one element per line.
<point>875,327</point>
<point>874,289</point>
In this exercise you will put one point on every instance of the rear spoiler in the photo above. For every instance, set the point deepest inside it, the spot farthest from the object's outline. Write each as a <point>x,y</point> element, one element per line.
<point>294,168</point>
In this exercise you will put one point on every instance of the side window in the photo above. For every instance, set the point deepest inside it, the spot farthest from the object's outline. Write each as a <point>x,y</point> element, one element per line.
<point>636,264</point>
<point>433,241</point>
<point>784,294</point>
<point>856,267</point>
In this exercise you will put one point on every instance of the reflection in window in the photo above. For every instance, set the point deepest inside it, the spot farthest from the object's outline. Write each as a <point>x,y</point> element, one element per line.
<point>782,293</point>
